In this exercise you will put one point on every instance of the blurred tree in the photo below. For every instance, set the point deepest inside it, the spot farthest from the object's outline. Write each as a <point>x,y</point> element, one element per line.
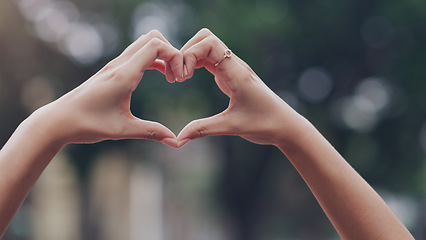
<point>372,53</point>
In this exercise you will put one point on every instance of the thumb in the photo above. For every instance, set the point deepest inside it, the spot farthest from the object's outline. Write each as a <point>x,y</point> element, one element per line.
<point>211,126</point>
<point>143,129</point>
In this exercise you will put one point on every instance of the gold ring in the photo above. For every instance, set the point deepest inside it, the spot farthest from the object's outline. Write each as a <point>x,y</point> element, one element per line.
<point>228,54</point>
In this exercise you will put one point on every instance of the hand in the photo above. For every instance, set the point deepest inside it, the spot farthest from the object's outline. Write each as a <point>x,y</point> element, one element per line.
<point>254,112</point>
<point>99,109</point>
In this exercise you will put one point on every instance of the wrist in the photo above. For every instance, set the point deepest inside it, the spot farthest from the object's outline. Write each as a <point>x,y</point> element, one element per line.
<point>295,134</point>
<point>47,126</point>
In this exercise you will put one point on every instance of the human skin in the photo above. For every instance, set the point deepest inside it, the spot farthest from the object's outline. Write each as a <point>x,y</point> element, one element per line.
<point>257,114</point>
<point>97,110</point>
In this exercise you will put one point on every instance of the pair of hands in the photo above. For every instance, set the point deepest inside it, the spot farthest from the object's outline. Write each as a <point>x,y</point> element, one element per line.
<point>99,109</point>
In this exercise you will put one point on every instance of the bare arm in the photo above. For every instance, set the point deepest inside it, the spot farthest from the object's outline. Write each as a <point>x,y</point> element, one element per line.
<point>22,160</point>
<point>260,116</point>
<point>351,204</point>
<point>97,110</point>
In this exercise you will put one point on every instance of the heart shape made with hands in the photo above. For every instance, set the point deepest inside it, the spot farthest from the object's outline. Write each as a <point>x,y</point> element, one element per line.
<point>253,111</point>
<point>203,50</point>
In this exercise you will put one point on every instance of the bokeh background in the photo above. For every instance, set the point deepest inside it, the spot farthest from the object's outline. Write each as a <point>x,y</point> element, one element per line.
<point>356,69</point>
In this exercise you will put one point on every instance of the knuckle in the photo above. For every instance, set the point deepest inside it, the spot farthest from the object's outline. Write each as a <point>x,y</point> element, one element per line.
<point>113,64</point>
<point>243,75</point>
<point>151,135</point>
<point>190,57</point>
<point>212,40</point>
<point>246,75</point>
<point>216,41</point>
<point>209,40</point>
<point>155,43</point>
<point>205,32</point>
<point>154,34</point>
<point>120,76</point>
<point>176,54</point>
<point>119,73</point>
<point>201,130</point>
<point>202,133</point>
<point>153,132</point>
<point>251,76</point>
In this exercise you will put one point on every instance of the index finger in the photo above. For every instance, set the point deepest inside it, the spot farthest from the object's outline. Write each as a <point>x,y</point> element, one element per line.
<point>150,52</point>
<point>198,37</point>
<point>229,72</point>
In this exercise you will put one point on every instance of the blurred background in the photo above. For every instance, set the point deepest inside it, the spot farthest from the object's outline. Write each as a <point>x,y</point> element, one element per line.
<point>354,68</point>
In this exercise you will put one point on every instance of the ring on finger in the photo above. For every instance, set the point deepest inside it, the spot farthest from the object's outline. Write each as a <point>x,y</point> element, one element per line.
<point>228,54</point>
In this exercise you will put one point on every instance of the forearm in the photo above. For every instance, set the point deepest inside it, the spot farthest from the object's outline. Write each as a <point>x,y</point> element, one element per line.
<point>351,204</point>
<point>22,160</point>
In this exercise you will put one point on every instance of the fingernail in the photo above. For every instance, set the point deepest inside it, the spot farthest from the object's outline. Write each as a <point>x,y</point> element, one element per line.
<point>183,142</point>
<point>185,70</point>
<point>171,142</point>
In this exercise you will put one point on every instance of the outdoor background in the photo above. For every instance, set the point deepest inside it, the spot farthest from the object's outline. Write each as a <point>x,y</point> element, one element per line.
<point>355,68</point>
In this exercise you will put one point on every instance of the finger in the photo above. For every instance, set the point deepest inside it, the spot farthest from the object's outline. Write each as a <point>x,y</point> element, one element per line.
<point>143,129</point>
<point>199,36</point>
<point>164,68</point>
<point>154,49</point>
<point>212,126</point>
<point>169,73</point>
<point>158,65</point>
<point>140,42</point>
<point>211,51</point>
